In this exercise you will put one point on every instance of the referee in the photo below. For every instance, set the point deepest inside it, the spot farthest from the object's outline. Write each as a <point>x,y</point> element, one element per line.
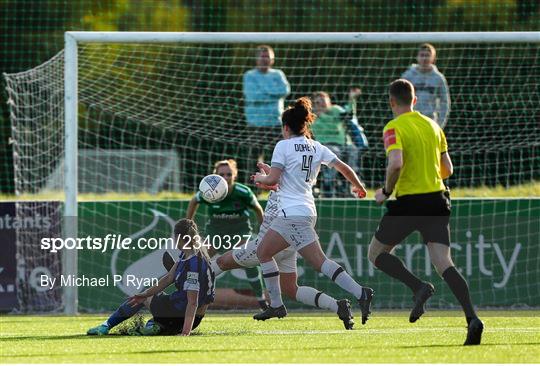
<point>418,161</point>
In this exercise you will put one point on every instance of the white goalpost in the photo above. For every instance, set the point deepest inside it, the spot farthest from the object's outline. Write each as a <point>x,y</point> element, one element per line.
<point>140,106</point>
<point>72,39</point>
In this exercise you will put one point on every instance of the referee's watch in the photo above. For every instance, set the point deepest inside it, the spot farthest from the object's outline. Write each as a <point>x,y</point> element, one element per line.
<point>387,194</point>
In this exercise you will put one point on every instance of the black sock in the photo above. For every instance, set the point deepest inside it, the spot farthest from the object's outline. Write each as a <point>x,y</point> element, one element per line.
<point>394,267</point>
<point>459,287</point>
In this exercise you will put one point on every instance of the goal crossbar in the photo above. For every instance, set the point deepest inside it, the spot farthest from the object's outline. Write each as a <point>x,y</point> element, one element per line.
<point>305,37</point>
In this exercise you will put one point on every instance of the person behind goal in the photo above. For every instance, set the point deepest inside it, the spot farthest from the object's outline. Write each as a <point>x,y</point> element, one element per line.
<point>296,162</point>
<point>430,86</point>
<point>418,161</point>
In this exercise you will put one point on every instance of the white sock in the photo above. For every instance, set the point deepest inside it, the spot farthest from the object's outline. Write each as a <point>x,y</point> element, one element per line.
<point>215,267</point>
<point>312,297</point>
<point>271,280</point>
<point>337,274</point>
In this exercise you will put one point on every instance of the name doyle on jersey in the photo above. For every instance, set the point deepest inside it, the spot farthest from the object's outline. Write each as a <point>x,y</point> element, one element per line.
<point>305,147</point>
<point>48,283</point>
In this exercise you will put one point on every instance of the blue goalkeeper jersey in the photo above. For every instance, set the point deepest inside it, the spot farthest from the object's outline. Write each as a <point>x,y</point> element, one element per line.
<point>193,274</point>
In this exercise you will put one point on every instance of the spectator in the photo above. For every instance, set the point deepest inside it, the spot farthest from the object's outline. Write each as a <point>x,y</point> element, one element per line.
<point>265,89</point>
<point>430,86</point>
<point>333,129</point>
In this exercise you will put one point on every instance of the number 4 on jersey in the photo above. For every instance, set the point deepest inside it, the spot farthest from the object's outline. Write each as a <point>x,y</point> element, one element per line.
<point>306,165</point>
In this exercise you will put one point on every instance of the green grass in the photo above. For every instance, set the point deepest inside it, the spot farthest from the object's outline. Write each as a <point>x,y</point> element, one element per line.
<point>299,338</point>
<point>524,190</point>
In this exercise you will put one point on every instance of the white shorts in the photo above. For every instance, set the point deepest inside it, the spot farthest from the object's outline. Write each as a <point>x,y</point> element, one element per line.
<point>298,231</point>
<point>247,257</point>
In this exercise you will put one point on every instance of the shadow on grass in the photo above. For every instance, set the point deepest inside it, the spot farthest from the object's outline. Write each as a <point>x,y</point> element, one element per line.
<point>48,338</point>
<point>247,350</point>
<point>185,351</point>
<point>471,347</point>
<point>108,336</point>
<point>176,350</point>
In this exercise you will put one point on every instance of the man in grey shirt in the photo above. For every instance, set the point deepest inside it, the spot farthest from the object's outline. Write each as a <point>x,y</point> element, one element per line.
<point>430,86</point>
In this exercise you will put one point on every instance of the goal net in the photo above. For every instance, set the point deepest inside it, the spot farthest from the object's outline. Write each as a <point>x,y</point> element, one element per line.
<point>153,117</point>
<point>121,171</point>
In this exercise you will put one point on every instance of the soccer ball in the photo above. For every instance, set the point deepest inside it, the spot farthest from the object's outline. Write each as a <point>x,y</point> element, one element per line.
<point>213,188</point>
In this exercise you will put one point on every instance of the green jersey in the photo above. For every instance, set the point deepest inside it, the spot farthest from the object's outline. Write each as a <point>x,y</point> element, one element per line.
<point>230,216</point>
<point>329,127</point>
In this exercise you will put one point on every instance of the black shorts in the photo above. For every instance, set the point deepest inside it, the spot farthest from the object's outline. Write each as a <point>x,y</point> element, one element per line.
<point>428,213</point>
<point>169,318</point>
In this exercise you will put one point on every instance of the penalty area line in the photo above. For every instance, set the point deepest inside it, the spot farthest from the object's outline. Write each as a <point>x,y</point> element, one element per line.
<point>380,331</point>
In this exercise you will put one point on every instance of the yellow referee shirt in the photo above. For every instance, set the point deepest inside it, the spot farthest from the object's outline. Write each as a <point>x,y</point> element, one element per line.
<point>422,142</point>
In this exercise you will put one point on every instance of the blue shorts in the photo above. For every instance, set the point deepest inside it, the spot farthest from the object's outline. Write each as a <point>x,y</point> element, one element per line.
<point>163,306</point>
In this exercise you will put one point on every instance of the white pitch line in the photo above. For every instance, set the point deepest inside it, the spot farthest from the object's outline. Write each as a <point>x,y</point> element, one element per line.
<point>381,331</point>
<point>393,331</point>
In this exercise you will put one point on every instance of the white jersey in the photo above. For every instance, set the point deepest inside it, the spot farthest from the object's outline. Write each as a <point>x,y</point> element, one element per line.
<point>299,159</point>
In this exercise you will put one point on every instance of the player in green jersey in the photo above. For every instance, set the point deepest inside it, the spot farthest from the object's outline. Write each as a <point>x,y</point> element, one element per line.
<point>229,220</point>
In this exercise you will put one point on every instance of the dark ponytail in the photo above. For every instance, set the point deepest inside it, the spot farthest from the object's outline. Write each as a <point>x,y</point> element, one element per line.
<point>299,117</point>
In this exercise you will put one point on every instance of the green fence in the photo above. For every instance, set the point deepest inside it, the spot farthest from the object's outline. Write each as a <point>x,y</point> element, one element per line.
<point>495,245</point>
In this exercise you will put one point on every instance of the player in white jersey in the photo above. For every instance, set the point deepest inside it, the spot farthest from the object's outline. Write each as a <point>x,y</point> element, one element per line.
<point>296,162</point>
<point>246,257</point>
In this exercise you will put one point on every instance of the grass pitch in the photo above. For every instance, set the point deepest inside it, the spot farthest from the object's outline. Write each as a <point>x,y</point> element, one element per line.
<point>510,336</point>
